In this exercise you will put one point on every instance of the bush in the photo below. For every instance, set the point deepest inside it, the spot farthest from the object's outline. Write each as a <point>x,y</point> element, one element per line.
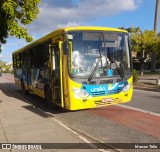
<point>135,76</point>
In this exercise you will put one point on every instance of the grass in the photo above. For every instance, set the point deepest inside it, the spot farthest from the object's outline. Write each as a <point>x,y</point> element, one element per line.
<point>152,73</point>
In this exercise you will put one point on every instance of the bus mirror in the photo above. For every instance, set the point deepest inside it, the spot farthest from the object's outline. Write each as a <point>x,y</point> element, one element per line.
<point>54,63</point>
<point>65,48</point>
<point>70,37</point>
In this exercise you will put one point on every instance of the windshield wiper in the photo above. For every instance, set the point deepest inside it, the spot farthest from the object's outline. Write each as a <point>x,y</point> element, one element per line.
<point>95,68</point>
<point>120,69</point>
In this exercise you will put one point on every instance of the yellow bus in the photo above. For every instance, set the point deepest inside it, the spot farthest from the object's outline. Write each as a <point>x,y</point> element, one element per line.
<point>77,67</point>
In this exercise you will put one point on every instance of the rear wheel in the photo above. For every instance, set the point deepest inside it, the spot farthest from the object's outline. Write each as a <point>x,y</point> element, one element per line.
<point>23,88</point>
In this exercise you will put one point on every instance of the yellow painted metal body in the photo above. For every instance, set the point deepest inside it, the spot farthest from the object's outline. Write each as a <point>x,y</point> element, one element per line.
<point>74,102</point>
<point>69,99</point>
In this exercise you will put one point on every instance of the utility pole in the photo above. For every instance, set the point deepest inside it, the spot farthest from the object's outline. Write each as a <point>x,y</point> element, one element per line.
<point>154,53</point>
<point>156,26</point>
<point>156,16</point>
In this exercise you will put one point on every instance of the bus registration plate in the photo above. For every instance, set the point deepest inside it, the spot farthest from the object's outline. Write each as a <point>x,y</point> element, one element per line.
<point>107,100</point>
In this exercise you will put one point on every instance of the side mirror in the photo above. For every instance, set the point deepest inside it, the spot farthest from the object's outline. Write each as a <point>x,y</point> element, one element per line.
<point>54,62</point>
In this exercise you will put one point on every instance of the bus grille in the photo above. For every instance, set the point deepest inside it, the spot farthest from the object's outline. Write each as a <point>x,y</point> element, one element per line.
<point>99,93</point>
<point>99,103</point>
<point>114,91</point>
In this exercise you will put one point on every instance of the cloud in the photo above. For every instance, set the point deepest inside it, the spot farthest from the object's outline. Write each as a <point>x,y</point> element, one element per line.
<point>5,57</point>
<point>63,13</point>
<point>11,45</point>
<point>59,13</point>
<point>58,3</point>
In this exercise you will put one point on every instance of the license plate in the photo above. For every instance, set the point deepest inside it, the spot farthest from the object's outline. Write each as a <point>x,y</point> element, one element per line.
<point>107,100</point>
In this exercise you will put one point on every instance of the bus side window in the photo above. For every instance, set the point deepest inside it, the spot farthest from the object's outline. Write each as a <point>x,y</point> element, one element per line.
<point>14,61</point>
<point>56,58</point>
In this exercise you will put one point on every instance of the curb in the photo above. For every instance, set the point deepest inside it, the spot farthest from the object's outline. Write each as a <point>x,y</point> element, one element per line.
<point>146,89</point>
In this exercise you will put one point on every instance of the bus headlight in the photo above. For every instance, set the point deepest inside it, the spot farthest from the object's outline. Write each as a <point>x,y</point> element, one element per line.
<point>127,87</point>
<point>80,92</point>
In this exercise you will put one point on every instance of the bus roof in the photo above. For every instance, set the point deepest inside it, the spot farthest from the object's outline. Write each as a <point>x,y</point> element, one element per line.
<point>63,30</point>
<point>96,28</point>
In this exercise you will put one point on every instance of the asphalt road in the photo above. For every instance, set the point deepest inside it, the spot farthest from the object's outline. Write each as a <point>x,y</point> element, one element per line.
<point>134,122</point>
<point>146,100</point>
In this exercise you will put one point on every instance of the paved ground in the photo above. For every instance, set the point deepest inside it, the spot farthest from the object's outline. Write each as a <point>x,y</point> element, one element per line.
<point>148,82</point>
<point>20,122</point>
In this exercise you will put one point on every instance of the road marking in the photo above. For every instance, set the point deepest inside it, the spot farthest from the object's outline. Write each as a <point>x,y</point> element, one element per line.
<point>133,108</point>
<point>145,124</point>
<point>60,123</point>
<point>81,137</point>
<point>138,90</point>
<point>84,139</point>
<point>10,78</point>
<point>16,94</point>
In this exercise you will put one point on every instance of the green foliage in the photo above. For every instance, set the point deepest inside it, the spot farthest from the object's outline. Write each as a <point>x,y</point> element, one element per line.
<point>14,14</point>
<point>135,76</point>
<point>146,44</point>
<point>132,29</point>
<point>6,68</point>
<point>146,40</point>
<point>2,63</point>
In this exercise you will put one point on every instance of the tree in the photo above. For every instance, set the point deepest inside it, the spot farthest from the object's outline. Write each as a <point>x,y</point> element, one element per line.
<point>14,14</point>
<point>2,64</point>
<point>136,44</point>
<point>144,43</point>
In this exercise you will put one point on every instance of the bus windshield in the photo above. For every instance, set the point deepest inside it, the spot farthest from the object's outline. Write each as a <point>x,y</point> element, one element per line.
<point>98,54</point>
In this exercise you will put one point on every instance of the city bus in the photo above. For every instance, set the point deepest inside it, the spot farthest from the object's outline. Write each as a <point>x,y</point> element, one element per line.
<point>77,68</point>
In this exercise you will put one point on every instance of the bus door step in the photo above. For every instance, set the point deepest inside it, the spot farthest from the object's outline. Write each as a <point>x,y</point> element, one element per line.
<point>57,101</point>
<point>30,91</point>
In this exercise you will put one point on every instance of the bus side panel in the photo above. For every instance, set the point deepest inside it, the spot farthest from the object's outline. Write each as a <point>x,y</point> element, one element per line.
<point>19,75</point>
<point>39,77</point>
<point>33,82</point>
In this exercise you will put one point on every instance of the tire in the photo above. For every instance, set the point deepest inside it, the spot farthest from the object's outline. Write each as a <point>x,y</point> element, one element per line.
<point>23,88</point>
<point>48,98</point>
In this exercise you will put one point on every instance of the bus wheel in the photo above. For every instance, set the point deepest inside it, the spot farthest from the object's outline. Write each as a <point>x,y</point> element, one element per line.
<point>48,98</point>
<point>23,88</point>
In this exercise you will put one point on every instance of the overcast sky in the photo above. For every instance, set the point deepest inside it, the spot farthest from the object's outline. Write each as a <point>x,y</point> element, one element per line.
<point>61,13</point>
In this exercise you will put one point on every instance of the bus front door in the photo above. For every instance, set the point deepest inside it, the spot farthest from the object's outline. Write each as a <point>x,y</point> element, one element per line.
<point>56,90</point>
